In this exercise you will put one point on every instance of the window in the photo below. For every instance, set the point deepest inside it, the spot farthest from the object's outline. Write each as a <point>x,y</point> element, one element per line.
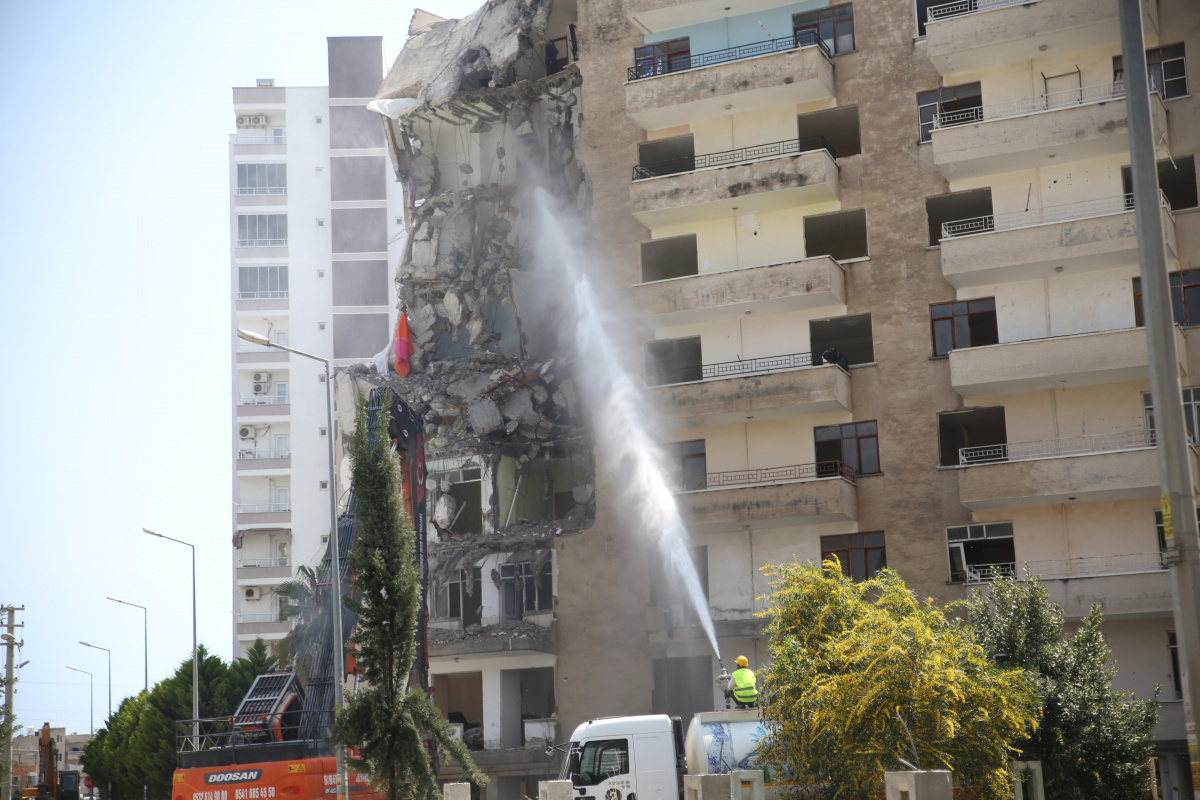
<point>663,57</point>
<point>279,337</point>
<point>601,760</point>
<point>1185,298</point>
<point>841,235</point>
<point>1173,649</point>
<point>262,283</point>
<point>947,101</point>
<point>276,136</point>
<point>834,26</point>
<point>981,552</point>
<point>923,13</point>
<point>846,337</point>
<point>524,590</point>
<point>1191,411</point>
<point>1162,534</point>
<point>675,257</point>
<point>466,489</point>
<point>460,597</point>
<point>838,126</point>
<point>687,464</point>
<point>972,210</point>
<point>965,323</point>
<point>666,157</point>
<point>281,391</point>
<point>262,178</point>
<point>262,230</point>
<point>855,444</point>
<point>860,554</point>
<point>673,361</point>
<point>1168,71</point>
<point>980,429</point>
<point>1176,179</point>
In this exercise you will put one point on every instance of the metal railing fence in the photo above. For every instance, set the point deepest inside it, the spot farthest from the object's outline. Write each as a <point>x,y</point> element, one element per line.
<point>275,561</point>
<point>250,190</point>
<point>1054,448</point>
<point>264,400</point>
<point>277,295</point>
<point>262,242</point>
<point>1058,569</point>
<point>1043,216</point>
<point>725,158</point>
<point>768,475</point>
<point>986,573</point>
<point>252,454</point>
<point>1029,105</point>
<point>666,63</point>
<point>960,7</point>
<point>262,508</point>
<point>257,138</point>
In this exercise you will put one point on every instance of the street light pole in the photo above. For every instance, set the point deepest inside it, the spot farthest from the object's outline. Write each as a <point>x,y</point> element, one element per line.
<point>109,652</point>
<point>91,698</point>
<point>339,657</point>
<point>195,651</point>
<point>145,666</point>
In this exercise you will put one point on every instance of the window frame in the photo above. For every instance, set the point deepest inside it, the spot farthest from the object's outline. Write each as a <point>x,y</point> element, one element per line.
<point>1179,298</point>
<point>1156,60</point>
<point>967,312</point>
<point>943,95</point>
<point>1173,654</point>
<point>658,58</point>
<point>828,15</point>
<point>855,542</point>
<point>985,530</point>
<point>256,229</point>
<point>271,275</point>
<point>262,178</point>
<point>856,436</point>
<point>678,459</point>
<point>600,745</point>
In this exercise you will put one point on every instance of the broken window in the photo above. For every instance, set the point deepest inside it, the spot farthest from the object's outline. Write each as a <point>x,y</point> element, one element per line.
<point>847,337</point>
<point>673,361</point>
<point>666,157</point>
<point>1176,179</point>
<point>974,206</point>
<point>956,105</point>
<point>262,283</point>
<point>841,235</point>
<point>687,464</point>
<point>466,492</point>
<point>1167,68</point>
<point>837,126</point>
<point>854,445</point>
<point>682,686</point>
<point>460,698</point>
<point>461,597</point>
<point>675,257</point>
<point>981,428</point>
<point>834,26</point>
<point>965,323</point>
<point>980,553</point>
<point>262,178</point>
<point>662,57</point>
<point>526,587</point>
<point>1185,298</point>
<point>861,555</point>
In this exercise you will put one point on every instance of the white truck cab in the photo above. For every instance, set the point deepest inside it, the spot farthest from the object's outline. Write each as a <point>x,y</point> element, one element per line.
<point>628,758</point>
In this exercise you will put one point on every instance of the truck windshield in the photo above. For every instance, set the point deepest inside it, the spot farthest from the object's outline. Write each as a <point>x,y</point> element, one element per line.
<point>70,781</point>
<point>601,759</point>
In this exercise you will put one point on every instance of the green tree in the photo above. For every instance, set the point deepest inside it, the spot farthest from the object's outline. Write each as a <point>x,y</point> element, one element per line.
<point>1093,740</point>
<point>864,674</point>
<point>299,597</point>
<point>384,720</point>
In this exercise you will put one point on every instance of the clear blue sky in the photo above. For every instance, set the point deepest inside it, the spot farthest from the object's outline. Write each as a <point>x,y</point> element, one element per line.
<point>114,412</point>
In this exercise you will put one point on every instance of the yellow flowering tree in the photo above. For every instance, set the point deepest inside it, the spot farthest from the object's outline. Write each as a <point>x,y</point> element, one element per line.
<point>865,677</point>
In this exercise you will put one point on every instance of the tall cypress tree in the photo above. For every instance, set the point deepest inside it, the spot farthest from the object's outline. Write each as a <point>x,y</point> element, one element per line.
<point>385,719</point>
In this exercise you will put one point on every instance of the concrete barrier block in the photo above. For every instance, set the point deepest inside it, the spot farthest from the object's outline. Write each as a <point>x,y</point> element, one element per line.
<point>926,784</point>
<point>711,787</point>
<point>456,791</point>
<point>555,790</point>
<point>749,784</point>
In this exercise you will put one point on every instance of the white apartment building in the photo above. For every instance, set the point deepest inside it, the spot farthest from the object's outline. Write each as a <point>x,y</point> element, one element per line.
<point>314,210</point>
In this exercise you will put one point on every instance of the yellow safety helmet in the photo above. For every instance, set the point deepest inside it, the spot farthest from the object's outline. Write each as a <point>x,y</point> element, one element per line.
<point>741,661</point>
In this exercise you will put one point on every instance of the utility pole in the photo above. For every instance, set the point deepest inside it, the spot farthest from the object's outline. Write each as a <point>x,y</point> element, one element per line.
<point>10,663</point>
<point>1178,500</point>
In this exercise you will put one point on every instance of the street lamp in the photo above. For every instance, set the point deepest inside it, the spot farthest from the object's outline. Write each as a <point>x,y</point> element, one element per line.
<point>145,646</point>
<point>91,697</point>
<point>105,649</point>
<point>339,658</point>
<point>195,651</point>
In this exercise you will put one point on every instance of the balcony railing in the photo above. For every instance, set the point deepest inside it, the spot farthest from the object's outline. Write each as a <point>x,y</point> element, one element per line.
<point>264,400</point>
<point>665,64</point>
<point>277,295</point>
<point>279,561</point>
<point>986,573</point>
<point>1064,568</point>
<point>246,190</point>
<point>1029,105</point>
<point>960,7</point>
<point>270,616</point>
<point>257,138</point>
<point>750,366</point>
<point>728,158</point>
<point>262,242</point>
<point>1043,216</point>
<point>1056,448</point>
<point>284,453</point>
<point>262,508</point>
<point>768,475</point>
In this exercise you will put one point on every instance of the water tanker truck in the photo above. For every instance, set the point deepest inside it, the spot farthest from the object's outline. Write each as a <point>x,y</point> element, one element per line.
<point>647,757</point>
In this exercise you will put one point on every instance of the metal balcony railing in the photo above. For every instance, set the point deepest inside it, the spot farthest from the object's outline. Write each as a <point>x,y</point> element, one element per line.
<point>1056,448</point>
<point>277,295</point>
<point>251,454</point>
<point>986,573</point>
<point>750,366</point>
<point>665,64</point>
<point>1043,216</point>
<point>262,508</point>
<point>1063,568</point>
<point>264,400</point>
<point>960,7</point>
<point>768,475</point>
<point>728,158</point>
<point>1029,105</point>
<point>278,561</point>
<point>262,242</point>
<point>248,190</point>
<point>270,616</point>
<point>258,138</point>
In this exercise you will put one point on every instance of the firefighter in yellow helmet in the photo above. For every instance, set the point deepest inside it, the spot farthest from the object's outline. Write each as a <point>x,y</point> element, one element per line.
<point>741,685</point>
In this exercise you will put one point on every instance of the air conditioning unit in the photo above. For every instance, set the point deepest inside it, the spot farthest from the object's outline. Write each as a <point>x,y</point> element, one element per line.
<point>258,121</point>
<point>262,388</point>
<point>262,377</point>
<point>243,122</point>
<point>253,593</point>
<point>246,433</point>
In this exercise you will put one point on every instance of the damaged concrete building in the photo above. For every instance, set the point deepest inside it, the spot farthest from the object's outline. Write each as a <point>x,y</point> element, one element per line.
<point>881,259</point>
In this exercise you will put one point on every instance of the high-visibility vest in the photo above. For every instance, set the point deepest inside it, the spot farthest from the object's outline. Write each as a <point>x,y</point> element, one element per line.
<point>744,690</point>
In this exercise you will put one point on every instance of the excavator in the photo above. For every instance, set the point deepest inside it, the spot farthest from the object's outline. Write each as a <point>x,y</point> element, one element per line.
<point>52,783</point>
<point>274,745</point>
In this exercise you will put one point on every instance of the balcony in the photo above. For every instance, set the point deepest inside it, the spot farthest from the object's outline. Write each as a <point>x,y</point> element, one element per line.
<point>252,513</point>
<point>759,389</point>
<point>257,354</point>
<point>265,568</point>
<point>1104,473</point>
<point>763,178</point>
<point>257,460</point>
<point>976,34</point>
<point>261,301</point>
<point>664,93</point>
<point>792,495</point>
<point>258,144</point>
<point>1022,134</point>
<point>1128,584</point>
<point>731,294</point>
<point>1024,245</point>
<point>262,405</point>
<point>1059,362</point>
<point>266,622</point>
<point>1056,448</point>
<point>655,16</point>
